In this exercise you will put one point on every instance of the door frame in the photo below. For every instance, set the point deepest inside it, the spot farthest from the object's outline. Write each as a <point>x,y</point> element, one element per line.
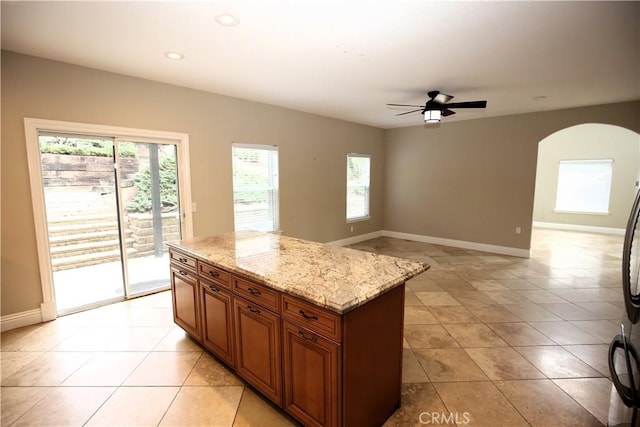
<point>32,128</point>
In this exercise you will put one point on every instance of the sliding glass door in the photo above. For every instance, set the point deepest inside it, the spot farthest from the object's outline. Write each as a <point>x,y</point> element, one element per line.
<point>111,205</point>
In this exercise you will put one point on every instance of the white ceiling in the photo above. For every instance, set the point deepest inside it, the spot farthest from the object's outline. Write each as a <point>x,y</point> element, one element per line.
<point>348,58</point>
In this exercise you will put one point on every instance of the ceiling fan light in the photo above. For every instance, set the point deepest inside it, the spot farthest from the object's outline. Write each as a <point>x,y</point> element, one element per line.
<point>432,116</point>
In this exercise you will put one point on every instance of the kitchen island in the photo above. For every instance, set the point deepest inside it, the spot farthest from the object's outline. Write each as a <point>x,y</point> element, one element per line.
<point>317,329</point>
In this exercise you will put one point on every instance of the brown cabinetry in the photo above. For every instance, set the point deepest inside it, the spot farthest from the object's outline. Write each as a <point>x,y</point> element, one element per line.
<point>217,320</point>
<point>323,368</point>
<point>258,348</point>
<point>184,287</point>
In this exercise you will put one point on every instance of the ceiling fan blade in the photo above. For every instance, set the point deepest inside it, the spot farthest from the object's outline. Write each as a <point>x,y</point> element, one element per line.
<point>405,105</point>
<point>470,104</point>
<point>412,111</point>
<point>442,98</point>
<point>446,112</point>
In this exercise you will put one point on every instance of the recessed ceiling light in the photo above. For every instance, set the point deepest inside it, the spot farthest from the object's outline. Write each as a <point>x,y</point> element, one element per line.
<point>227,20</point>
<point>174,55</point>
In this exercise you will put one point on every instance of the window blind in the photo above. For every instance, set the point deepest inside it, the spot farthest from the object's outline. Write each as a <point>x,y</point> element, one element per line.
<point>255,187</point>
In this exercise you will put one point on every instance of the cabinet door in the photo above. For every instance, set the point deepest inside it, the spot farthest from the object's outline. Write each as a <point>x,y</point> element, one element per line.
<point>311,373</point>
<point>258,348</point>
<point>184,291</point>
<point>217,326</point>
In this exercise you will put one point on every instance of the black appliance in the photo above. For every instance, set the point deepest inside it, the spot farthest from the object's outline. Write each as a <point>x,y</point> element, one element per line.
<point>624,350</point>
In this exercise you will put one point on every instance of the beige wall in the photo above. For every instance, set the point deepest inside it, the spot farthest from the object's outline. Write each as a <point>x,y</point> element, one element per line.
<point>588,141</point>
<point>474,180</point>
<point>312,153</point>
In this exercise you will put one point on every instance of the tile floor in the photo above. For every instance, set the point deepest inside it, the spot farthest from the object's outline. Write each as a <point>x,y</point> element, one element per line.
<point>490,340</point>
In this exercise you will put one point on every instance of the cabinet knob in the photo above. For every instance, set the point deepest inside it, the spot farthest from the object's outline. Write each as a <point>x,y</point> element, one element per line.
<point>253,310</point>
<point>183,260</point>
<point>182,273</point>
<point>311,338</point>
<point>308,317</point>
<point>213,273</point>
<point>214,289</point>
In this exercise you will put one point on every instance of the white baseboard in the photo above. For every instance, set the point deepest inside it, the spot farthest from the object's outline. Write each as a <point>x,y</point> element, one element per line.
<point>502,250</point>
<point>18,320</point>
<point>576,227</point>
<point>356,239</point>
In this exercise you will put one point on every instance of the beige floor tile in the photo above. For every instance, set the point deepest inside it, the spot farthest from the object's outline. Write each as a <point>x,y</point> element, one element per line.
<point>469,298</point>
<point>556,362</point>
<point>455,285</point>
<point>530,312</point>
<point>163,369</point>
<point>592,393</point>
<point>533,398</point>
<point>569,311</point>
<point>12,361</point>
<point>565,333</point>
<point>203,406</point>
<point>541,296</point>
<point>410,299</point>
<point>15,401</point>
<point>134,406</point>
<point>418,316</point>
<point>605,310</point>
<point>106,369</point>
<point>479,402</point>
<point>605,330</point>
<point>42,338</point>
<point>412,370</point>
<point>209,372</point>
<point>90,339</point>
<point>520,334</point>
<point>138,338</point>
<point>595,355</point>
<point>177,340</point>
<point>418,400</point>
<point>428,336</point>
<point>255,411</point>
<point>449,364</point>
<point>424,285</point>
<point>492,313</point>
<point>151,317</point>
<point>516,284</point>
<point>65,406</point>
<point>487,285</point>
<point>10,339</point>
<point>453,314</point>
<point>503,363</point>
<point>50,369</point>
<point>506,297</point>
<point>434,299</point>
<point>474,335</point>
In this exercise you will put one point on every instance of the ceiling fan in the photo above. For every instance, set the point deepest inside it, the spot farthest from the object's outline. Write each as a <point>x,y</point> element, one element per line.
<point>437,107</point>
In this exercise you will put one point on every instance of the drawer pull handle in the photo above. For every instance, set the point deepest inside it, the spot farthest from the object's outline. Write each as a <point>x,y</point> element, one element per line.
<point>183,260</point>
<point>253,310</point>
<point>182,273</point>
<point>311,338</point>
<point>306,316</point>
<point>214,289</point>
<point>214,274</point>
<point>254,292</point>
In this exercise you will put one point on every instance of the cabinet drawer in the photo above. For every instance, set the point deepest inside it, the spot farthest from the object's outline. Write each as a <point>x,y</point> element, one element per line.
<point>266,297</point>
<point>215,274</point>
<point>315,318</point>
<point>183,260</point>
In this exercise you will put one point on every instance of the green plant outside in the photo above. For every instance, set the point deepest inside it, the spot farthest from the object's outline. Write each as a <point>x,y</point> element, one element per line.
<point>141,201</point>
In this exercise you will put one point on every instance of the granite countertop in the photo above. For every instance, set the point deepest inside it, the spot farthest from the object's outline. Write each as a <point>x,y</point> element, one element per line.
<point>336,278</point>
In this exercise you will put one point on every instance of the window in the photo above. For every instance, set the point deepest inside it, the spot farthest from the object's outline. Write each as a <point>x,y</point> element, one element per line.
<point>358,178</point>
<point>584,186</point>
<point>255,187</point>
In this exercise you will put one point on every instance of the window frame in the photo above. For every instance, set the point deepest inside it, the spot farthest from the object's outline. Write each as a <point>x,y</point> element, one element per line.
<point>367,214</point>
<point>275,212</point>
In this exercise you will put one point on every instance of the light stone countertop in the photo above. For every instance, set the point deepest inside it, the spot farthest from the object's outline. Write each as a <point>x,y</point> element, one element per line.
<point>336,278</point>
